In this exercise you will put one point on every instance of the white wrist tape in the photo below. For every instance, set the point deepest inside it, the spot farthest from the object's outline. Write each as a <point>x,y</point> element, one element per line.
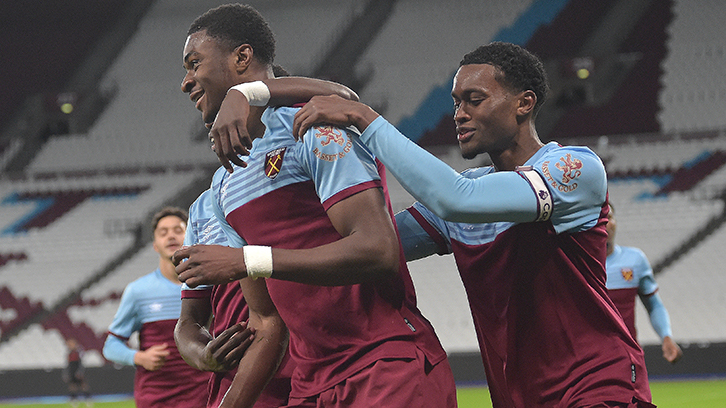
<point>258,260</point>
<point>257,93</point>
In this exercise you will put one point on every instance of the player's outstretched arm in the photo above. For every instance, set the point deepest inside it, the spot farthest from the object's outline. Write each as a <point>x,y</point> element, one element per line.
<point>264,354</point>
<point>502,196</point>
<point>199,348</point>
<point>229,130</point>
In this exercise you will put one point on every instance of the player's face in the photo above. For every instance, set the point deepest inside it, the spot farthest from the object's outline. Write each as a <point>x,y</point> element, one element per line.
<point>169,235</point>
<point>485,112</point>
<point>611,227</point>
<point>210,73</point>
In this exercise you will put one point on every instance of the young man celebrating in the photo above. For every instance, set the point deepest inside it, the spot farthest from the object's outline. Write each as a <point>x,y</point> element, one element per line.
<point>150,306</point>
<point>320,232</point>
<point>528,235</point>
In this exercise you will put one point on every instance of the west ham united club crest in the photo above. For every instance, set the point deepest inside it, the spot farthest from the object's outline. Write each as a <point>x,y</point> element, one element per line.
<point>273,162</point>
<point>627,274</point>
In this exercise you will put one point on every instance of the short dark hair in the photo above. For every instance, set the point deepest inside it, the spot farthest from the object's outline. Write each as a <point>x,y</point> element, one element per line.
<point>237,24</point>
<point>521,69</point>
<point>165,212</point>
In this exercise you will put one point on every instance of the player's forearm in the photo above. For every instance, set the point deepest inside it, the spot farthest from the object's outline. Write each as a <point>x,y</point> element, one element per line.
<point>415,241</point>
<point>259,363</point>
<point>659,318</point>
<point>190,335</point>
<point>116,350</point>
<point>502,196</point>
<point>292,90</point>
<point>191,338</point>
<point>347,261</point>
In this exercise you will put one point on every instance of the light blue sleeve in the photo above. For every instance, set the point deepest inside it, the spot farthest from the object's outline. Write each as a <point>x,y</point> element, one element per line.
<point>647,291</point>
<point>124,324</point>
<point>500,196</point>
<point>232,237</point>
<point>659,318</point>
<point>200,216</point>
<point>190,237</point>
<point>116,350</point>
<point>336,160</point>
<point>577,180</point>
<point>643,273</point>
<point>416,242</point>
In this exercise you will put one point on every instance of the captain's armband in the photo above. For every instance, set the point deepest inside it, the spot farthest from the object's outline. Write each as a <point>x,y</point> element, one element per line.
<point>544,198</point>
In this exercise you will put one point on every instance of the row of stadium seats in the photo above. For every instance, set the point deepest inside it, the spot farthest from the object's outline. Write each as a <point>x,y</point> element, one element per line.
<point>694,82</point>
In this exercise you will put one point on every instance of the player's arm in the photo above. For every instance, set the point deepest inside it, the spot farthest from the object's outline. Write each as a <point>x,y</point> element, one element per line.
<point>266,351</point>
<point>229,130</point>
<point>198,347</point>
<point>116,350</point>
<point>417,242</point>
<point>501,196</point>
<point>124,324</point>
<point>368,250</point>
<point>660,320</point>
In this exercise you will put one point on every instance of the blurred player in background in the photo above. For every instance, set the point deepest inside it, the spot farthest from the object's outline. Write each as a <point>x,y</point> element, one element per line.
<point>319,230</point>
<point>150,306</point>
<point>74,374</point>
<point>630,275</point>
<point>528,235</point>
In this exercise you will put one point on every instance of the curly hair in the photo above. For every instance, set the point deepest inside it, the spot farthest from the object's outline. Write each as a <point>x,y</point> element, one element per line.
<point>521,70</point>
<point>237,24</point>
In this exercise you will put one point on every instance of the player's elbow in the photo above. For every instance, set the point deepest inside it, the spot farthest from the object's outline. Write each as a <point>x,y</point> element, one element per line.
<point>383,257</point>
<point>108,353</point>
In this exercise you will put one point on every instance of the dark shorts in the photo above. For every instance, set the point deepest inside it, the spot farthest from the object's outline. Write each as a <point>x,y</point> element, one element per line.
<point>390,383</point>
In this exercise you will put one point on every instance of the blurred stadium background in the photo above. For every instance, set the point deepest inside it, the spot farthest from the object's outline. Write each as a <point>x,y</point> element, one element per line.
<point>95,135</point>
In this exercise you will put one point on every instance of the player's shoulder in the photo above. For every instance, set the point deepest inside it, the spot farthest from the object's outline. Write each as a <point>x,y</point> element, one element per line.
<point>201,205</point>
<point>278,121</point>
<point>570,157</point>
<point>567,168</point>
<point>632,252</point>
<point>219,176</point>
<point>142,283</point>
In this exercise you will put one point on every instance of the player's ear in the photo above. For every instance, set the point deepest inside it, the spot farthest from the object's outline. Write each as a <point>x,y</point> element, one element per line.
<point>243,57</point>
<point>526,101</point>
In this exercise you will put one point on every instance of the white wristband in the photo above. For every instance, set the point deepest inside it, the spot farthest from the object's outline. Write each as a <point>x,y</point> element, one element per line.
<point>258,260</point>
<point>256,92</point>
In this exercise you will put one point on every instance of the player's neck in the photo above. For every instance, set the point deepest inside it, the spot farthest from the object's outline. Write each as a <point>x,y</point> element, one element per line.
<point>167,269</point>
<point>517,154</point>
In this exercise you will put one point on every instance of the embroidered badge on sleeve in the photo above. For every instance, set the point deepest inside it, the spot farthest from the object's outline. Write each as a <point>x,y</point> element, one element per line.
<point>336,141</point>
<point>563,175</point>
